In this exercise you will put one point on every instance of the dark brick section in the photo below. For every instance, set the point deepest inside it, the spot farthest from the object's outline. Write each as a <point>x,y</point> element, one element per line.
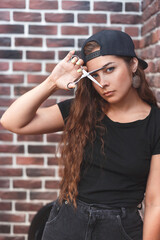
<point>4,229</point>
<point>4,16</point>
<point>27,42</point>
<point>76,5</point>
<point>125,19</point>
<point>5,41</point>
<point>45,30</point>
<point>40,55</point>
<point>60,42</point>
<point>133,7</point>
<point>59,17</point>
<point>43,4</point>
<point>92,18</point>
<point>27,16</point>
<point>12,149</point>
<point>41,149</point>
<point>108,6</point>
<point>12,29</point>
<point>10,54</point>
<point>11,79</point>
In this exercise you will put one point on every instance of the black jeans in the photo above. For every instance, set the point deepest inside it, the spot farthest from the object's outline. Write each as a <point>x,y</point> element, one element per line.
<point>92,222</point>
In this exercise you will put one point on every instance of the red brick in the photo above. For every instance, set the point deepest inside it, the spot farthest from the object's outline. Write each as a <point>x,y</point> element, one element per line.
<point>5,91</point>
<point>5,102</point>
<point>32,172</point>
<point>146,3</point>
<point>50,67</point>
<point>4,228</point>
<point>21,90</point>
<point>4,206</point>
<point>157,51</point>
<point>54,137</point>
<point>49,102</point>
<point>41,149</point>
<point>12,172</point>
<point>10,54</point>
<point>151,10</point>
<point>11,29</point>
<point>76,5</point>
<point>36,78</point>
<point>12,4</point>
<point>71,30</point>
<point>26,66</point>
<point>43,4</point>
<point>92,18</point>
<point>158,96</point>
<point>5,41</point>
<point>21,206</point>
<point>12,79</point>
<point>108,6</point>
<point>6,137</point>
<point>62,92</point>
<point>59,17</point>
<point>4,16</point>
<point>125,19</point>
<point>43,195</point>
<point>52,161</point>
<point>132,7</point>
<point>40,55</point>
<point>21,229</point>
<point>12,217</point>
<point>27,184</point>
<point>4,184</point>
<point>29,160</point>
<point>13,195</point>
<point>99,28</point>
<point>27,16</point>
<point>43,30</point>
<point>12,149</point>
<point>5,160</point>
<point>11,238</point>
<point>158,20</point>
<point>149,25</point>
<point>60,42</point>
<point>35,138</point>
<point>28,42</point>
<point>52,184</point>
<point>132,31</point>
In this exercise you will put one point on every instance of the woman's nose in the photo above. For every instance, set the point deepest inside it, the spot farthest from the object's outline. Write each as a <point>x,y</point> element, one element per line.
<point>104,81</point>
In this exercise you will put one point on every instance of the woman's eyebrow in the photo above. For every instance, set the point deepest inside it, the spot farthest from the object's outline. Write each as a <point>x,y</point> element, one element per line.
<point>98,69</point>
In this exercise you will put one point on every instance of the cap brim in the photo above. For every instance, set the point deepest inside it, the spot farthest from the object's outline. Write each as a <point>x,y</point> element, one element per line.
<point>142,63</point>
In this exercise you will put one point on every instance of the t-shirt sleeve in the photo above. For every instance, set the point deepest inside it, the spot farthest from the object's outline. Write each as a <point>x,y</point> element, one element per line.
<point>156,149</point>
<point>65,108</point>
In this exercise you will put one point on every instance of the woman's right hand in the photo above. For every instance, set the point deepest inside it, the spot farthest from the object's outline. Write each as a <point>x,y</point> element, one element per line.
<point>66,71</point>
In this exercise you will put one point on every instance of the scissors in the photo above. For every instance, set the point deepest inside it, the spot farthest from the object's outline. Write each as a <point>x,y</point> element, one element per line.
<point>86,74</point>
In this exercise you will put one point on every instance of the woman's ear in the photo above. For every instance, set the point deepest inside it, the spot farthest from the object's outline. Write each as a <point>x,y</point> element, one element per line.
<point>134,64</point>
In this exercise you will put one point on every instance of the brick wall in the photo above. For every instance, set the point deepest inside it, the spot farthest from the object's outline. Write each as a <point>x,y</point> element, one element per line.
<point>34,36</point>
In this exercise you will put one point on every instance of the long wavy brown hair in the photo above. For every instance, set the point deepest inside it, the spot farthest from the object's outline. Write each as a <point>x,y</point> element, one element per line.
<point>86,113</point>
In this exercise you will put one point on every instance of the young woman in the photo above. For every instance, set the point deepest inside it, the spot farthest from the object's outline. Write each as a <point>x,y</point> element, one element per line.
<point>110,144</point>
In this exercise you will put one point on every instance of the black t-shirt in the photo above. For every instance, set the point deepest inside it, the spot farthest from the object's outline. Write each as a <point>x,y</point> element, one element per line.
<point>119,177</point>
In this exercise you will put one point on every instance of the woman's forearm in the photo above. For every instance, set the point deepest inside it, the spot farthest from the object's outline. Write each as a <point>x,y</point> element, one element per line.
<point>23,110</point>
<point>151,227</point>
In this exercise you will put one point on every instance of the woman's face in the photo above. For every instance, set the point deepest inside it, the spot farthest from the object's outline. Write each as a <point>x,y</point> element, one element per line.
<point>116,77</point>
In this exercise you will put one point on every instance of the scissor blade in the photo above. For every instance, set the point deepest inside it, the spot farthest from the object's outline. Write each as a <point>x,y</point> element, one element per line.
<point>86,74</point>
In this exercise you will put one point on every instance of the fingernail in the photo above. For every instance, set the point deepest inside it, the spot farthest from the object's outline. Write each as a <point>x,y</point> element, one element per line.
<point>73,61</point>
<point>78,63</point>
<point>79,70</point>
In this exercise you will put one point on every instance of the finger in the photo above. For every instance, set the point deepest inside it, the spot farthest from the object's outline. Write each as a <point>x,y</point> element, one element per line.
<point>69,55</point>
<point>71,85</point>
<point>79,62</point>
<point>74,60</point>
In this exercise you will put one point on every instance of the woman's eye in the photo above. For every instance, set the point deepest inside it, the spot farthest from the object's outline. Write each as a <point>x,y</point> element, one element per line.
<point>95,75</point>
<point>110,69</point>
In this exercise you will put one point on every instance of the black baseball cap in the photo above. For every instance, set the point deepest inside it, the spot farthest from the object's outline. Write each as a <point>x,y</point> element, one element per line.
<point>112,42</point>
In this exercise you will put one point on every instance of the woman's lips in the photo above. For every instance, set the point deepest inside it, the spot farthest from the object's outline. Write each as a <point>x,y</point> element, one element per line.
<point>108,93</point>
